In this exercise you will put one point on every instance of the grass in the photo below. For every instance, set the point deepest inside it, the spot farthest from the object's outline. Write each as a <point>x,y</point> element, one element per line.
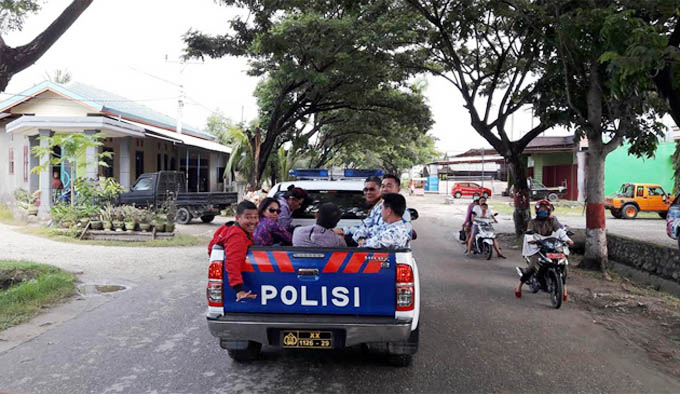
<point>27,288</point>
<point>7,217</point>
<point>177,240</point>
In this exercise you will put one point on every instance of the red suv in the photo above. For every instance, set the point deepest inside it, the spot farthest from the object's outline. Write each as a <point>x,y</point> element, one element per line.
<point>468,189</point>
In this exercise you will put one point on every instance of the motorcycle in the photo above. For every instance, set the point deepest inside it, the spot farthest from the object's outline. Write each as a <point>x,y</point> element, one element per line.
<point>551,271</point>
<point>483,242</point>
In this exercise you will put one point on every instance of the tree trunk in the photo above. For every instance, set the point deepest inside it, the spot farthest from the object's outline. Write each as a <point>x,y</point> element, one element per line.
<point>596,254</point>
<point>522,213</point>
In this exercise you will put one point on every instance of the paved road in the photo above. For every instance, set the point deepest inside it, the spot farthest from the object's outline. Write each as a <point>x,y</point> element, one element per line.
<point>475,336</point>
<point>646,229</point>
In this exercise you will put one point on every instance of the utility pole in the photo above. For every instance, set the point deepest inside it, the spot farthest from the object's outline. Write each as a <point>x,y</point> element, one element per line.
<point>180,99</point>
<point>482,167</point>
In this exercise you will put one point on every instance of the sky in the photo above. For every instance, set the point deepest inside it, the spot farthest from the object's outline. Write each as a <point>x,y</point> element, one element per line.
<point>132,47</point>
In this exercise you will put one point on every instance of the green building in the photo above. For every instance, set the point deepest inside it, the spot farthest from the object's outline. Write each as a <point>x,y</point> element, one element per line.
<point>620,167</point>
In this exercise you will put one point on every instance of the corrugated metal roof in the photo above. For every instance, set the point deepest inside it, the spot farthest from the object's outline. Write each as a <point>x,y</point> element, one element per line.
<point>120,105</point>
<point>106,102</point>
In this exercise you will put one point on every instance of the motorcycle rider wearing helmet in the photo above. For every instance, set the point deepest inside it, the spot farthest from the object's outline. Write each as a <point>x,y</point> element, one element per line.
<point>545,225</point>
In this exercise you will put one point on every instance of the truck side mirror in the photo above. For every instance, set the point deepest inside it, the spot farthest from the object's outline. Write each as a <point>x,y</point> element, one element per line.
<point>413,212</point>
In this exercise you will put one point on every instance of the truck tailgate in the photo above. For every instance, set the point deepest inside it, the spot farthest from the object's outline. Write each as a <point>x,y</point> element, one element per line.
<point>317,281</point>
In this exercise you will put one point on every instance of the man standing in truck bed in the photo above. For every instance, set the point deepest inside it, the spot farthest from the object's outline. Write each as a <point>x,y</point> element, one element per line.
<point>236,239</point>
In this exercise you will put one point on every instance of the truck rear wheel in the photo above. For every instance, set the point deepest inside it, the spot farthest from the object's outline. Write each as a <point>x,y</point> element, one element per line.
<point>616,213</point>
<point>207,218</point>
<point>405,355</point>
<point>552,197</point>
<point>663,214</point>
<point>183,216</point>
<point>630,211</point>
<point>250,353</point>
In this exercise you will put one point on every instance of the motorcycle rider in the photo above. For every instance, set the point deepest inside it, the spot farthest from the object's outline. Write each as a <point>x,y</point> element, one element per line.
<point>545,225</point>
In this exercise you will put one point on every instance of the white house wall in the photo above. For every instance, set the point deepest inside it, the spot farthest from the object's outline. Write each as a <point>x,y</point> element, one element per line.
<point>9,183</point>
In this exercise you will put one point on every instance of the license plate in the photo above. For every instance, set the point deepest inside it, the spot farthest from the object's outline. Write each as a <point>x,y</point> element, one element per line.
<point>555,255</point>
<point>308,339</point>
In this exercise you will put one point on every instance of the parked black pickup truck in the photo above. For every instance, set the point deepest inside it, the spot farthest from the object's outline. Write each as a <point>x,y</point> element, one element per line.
<point>153,188</point>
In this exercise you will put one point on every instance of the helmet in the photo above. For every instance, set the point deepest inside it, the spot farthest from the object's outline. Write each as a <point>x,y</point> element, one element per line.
<point>544,203</point>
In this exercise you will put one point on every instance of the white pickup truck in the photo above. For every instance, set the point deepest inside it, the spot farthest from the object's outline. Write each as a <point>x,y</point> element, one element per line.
<point>319,298</point>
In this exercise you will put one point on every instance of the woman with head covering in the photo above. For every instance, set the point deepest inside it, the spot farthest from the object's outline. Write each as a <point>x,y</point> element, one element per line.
<point>291,201</point>
<point>269,230</point>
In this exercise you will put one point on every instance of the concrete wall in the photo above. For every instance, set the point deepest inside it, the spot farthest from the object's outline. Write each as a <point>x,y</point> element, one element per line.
<point>657,260</point>
<point>644,257</point>
<point>622,168</point>
<point>9,183</point>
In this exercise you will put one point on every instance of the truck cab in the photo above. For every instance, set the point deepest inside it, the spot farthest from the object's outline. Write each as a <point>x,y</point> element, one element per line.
<point>319,298</point>
<point>638,197</point>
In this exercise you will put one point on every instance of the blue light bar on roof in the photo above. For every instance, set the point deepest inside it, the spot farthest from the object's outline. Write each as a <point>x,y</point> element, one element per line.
<point>309,173</point>
<point>363,173</point>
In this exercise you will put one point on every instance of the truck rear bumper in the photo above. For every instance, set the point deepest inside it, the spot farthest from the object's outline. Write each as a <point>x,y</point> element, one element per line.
<point>357,329</point>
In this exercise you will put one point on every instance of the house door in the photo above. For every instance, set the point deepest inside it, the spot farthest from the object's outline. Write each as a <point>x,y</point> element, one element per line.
<point>562,175</point>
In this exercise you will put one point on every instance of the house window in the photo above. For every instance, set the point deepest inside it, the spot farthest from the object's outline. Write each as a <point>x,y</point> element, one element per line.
<point>26,163</point>
<point>11,161</point>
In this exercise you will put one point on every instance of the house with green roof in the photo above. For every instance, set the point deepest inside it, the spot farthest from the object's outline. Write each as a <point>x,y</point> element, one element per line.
<point>141,140</point>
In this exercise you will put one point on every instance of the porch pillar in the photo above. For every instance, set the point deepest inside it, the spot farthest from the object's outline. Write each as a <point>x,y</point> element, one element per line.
<point>581,175</point>
<point>34,161</point>
<point>92,166</point>
<point>124,162</point>
<point>45,176</point>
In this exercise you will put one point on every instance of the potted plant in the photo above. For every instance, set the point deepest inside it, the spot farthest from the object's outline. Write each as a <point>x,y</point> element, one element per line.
<point>159,222</point>
<point>117,219</point>
<point>144,220</point>
<point>130,218</point>
<point>105,215</point>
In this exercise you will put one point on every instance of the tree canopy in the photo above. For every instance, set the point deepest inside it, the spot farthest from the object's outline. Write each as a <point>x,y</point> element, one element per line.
<point>317,59</point>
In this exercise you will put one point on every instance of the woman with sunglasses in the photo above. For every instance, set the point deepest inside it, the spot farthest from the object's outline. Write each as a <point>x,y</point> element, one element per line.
<point>269,230</point>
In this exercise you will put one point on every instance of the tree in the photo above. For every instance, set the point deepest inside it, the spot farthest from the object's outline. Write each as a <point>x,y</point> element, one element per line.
<point>489,52</point>
<point>650,56</point>
<point>577,84</point>
<point>59,76</point>
<point>73,147</point>
<point>315,57</point>
<point>16,59</point>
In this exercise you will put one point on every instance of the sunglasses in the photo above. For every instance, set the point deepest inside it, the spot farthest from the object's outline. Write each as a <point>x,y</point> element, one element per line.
<point>272,210</point>
<point>370,189</point>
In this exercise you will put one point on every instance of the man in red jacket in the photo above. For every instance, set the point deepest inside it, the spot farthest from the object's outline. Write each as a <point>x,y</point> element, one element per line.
<point>236,239</point>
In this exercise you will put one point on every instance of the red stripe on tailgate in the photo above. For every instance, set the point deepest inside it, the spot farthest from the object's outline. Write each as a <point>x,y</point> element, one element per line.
<point>373,267</point>
<point>281,258</point>
<point>355,263</point>
<point>334,262</point>
<point>248,265</point>
<point>262,261</point>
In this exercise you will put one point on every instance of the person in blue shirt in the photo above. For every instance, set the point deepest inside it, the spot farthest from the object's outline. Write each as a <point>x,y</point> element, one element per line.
<point>396,233</point>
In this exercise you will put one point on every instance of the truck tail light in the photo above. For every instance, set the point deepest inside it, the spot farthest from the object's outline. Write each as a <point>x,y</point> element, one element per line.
<point>215,283</point>
<point>405,290</point>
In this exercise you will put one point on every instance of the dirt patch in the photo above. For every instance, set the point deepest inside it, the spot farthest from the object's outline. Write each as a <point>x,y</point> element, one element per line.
<point>640,315</point>
<point>11,277</point>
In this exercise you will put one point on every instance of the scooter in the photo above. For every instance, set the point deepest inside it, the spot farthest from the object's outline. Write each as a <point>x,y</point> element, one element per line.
<point>483,242</point>
<point>551,272</point>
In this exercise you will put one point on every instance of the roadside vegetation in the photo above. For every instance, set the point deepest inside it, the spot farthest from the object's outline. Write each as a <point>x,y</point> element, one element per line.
<point>6,216</point>
<point>67,236</point>
<point>27,288</point>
